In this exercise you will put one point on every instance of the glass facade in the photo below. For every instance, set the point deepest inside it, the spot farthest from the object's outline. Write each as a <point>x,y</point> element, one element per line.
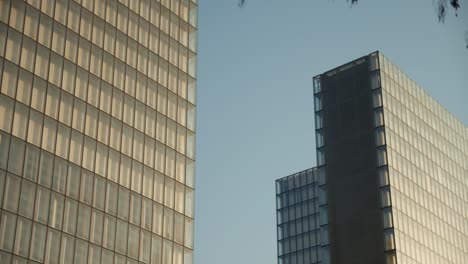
<point>425,165</point>
<point>97,131</point>
<point>298,218</point>
<point>418,157</point>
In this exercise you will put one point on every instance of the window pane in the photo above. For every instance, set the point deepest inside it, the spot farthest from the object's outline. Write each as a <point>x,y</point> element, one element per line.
<point>109,232</point>
<point>38,242</point>
<point>124,200</point>
<point>387,217</point>
<point>318,102</point>
<point>42,62</point>
<point>89,153</point>
<point>23,236</point>
<point>20,122</point>
<point>180,168</point>
<point>91,121</point>
<point>56,69</point>
<point>318,120</point>
<point>11,193</point>
<point>377,98</point>
<point>6,113</point>
<point>390,258</point>
<point>83,226</point>
<point>380,136</point>
<point>113,166</point>
<point>111,198</point>
<point>97,219</point>
<point>71,46</point>
<point>49,134</point>
<point>56,210</point>
<point>320,157</point>
<point>12,52</point>
<point>66,108</point>
<point>179,222</point>
<point>7,230</point>
<point>67,248</point>
<point>188,256</point>
<point>179,197</point>
<point>146,213</point>
<point>121,238</point>
<point>69,72</point>
<point>145,243</point>
<point>190,173</point>
<point>373,61</point>
<point>115,134</point>
<point>189,202</point>
<point>319,139</point>
<point>99,192</point>
<point>103,128</point>
<point>60,175</point>
<point>35,128</point>
<point>42,205</point>
<point>169,193</point>
<point>105,98</point>
<point>28,192</point>
<point>188,238</point>
<point>81,251</point>
<point>38,94</point>
<point>76,147</point>
<point>53,245</point>
<point>378,117</point>
<point>148,182</point>
<point>157,218</point>
<point>133,240</point>
<point>125,171</point>
<point>28,54</point>
<point>383,176</point>
<point>70,216</point>
<point>385,194</point>
<point>167,251</point>
<point>135,208</point>
<point>381,156</point>
<point>375,79</point>
<point>31,22</point>
<point>73,181</point>
<point>156,247</point>
<point>137,171</point>
<point>94,255</point>
<point>58,36</point>
<point>389,239</point>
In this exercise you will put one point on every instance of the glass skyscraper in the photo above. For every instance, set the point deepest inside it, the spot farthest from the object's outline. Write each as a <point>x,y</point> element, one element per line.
<point>392,169</point>
<point>97,131</point>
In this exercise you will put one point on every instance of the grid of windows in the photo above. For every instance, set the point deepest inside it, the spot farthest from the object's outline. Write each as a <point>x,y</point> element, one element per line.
<point>97,131</point>
<point>427,152</point>
<point>298,218</point>
<point>321,163</point>
<point>381,156</point>
<point>421,154</point>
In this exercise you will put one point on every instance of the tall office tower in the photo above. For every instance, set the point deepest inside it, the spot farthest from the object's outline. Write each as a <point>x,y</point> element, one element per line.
<point>392,168</point>
<point>97,131</point>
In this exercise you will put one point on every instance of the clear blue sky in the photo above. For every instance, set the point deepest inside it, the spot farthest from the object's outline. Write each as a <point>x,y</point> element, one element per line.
<point>255,105</point>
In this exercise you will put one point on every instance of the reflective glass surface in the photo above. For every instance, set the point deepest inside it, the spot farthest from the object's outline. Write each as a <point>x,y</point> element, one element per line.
<point>97,131</point>
<point>427,152</point>
<point>298,218</point>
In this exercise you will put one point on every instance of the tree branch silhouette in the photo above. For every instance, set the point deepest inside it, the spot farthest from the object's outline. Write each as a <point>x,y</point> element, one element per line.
<point>442,7</point>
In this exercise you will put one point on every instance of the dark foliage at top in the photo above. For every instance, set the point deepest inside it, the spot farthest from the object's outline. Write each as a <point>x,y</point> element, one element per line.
<point>441,6</point>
